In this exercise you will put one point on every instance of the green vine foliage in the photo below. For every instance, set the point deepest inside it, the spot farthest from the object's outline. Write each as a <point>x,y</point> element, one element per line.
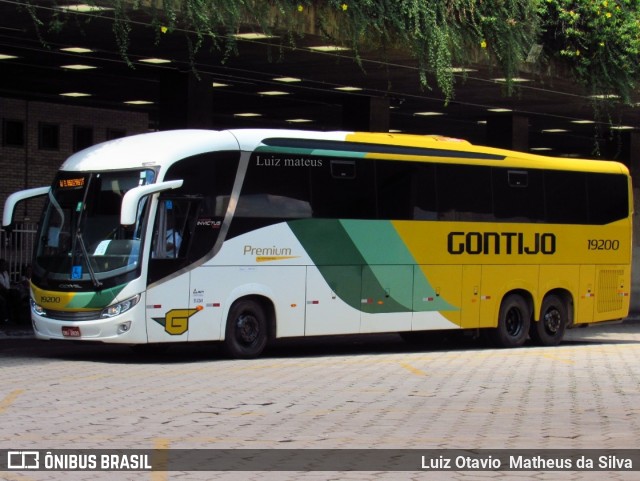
<point>439,34</point>
<point>597,40</point>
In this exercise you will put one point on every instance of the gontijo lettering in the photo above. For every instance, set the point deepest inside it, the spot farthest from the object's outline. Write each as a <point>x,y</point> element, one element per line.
<point>501,243</point>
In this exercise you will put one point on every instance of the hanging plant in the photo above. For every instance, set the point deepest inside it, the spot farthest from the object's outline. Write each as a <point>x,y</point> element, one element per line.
<point>440,35</point>
<point>598,40</point>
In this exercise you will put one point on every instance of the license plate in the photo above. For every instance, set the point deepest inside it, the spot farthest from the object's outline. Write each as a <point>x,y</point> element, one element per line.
<point>70,331</point>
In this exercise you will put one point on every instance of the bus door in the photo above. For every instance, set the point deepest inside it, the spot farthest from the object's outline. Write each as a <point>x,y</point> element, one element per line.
<point>168,297</point>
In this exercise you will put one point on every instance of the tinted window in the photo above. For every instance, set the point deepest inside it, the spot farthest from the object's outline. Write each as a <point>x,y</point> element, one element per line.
<point>406,190</point>
<point>275,187</point>
<point>210,176</point>
<point>344,189</point>
<point>608,198</point>
<point>566,197</point>
<point>280,186</point>
<point>195,211</point>
<point>396,189</point>
<point>425,206</point>
<point>464,192</point>
<point>518,195</point>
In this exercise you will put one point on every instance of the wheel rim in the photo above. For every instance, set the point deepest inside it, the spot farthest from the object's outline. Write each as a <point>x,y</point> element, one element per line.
<point>247,329</point>
<point>513,322</point>
<point>552,320</point>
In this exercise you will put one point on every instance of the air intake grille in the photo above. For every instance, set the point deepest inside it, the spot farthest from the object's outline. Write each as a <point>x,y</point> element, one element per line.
<point>73,315</point>
<point>609,298</point>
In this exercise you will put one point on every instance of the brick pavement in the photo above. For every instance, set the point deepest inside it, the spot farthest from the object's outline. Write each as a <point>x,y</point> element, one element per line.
<point>374,392</point>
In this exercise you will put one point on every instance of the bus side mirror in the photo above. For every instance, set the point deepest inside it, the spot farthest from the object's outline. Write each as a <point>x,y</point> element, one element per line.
<point>15,198</point>
<point>132,198</point>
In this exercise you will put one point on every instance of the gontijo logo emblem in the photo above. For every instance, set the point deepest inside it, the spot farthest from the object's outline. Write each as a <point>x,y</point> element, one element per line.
<point>176,321</point>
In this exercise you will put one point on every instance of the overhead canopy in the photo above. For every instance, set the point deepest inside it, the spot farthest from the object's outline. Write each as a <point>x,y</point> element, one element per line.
<point>270,82</point>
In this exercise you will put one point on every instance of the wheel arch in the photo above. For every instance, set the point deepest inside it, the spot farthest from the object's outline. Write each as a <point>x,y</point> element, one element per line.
<point>265,302</point>
<point>514,319</point>
<point>566,297</point>
<point>524,294</point>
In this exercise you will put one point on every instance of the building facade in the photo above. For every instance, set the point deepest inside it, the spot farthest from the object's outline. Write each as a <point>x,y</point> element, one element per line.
<point>37,137</point>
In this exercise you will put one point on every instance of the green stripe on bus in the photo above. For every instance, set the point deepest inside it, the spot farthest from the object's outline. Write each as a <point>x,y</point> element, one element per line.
<point>367,265</point>
<point>94,300</point>
<point>335,256</point>
<point>386,253</point>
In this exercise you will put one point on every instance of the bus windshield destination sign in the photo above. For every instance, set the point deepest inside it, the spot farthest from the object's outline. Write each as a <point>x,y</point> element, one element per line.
<point>69,183</point>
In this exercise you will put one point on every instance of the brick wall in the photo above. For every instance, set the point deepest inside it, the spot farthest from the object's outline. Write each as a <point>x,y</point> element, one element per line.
<point>31,166</point>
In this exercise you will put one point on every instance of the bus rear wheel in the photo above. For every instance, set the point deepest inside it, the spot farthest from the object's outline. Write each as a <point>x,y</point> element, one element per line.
<point>513,322</point>
<point>246,332</point>
<point>549,330</point>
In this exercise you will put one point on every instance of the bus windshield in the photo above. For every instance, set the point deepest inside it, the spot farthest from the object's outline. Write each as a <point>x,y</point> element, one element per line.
<point>81,238</point>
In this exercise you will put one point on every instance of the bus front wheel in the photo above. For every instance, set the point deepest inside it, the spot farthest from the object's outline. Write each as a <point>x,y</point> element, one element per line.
<point>246,332</point>
<point>513,322</point>
<point>549,330</point>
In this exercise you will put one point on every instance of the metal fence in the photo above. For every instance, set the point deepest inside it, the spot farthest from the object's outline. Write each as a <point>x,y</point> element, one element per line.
<point>16,247</point>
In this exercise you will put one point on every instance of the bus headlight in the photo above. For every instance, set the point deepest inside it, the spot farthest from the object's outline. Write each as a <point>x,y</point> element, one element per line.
<point>120,308</point>
<point>37,309</point>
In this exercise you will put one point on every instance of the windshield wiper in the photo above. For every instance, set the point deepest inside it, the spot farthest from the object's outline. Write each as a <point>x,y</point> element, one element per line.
<point>83,248</point>
<point>78,238</point>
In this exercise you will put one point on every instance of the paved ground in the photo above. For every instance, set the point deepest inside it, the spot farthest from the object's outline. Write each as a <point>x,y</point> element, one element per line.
<point>355,392</point>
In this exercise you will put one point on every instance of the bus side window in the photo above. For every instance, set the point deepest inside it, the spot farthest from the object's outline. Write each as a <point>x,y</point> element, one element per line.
<point>518,195</point>
<point>406,190</point>
<point>275,189</point>
<point>173,229</point>
<point>394,182</point>
<point>344,189</point>
<point>464,193</point>
<point>608,198</point>
<point>565,197</point>
<point>425,206</point>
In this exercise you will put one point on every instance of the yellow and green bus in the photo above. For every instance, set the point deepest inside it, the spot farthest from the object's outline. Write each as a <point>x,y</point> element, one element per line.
<point>244,236</point>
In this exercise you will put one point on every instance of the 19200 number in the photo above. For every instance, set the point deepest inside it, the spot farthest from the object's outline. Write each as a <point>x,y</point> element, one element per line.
<point>603,244</point>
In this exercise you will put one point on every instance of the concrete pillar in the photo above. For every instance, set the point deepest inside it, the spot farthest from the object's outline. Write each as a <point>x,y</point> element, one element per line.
<point>365,114</point>
<point>508,132</point>
<point>624,146</point>
<point>185,101</point>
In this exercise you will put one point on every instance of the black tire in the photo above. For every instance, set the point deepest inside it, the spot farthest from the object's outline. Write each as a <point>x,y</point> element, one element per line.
<point>549,330</point>
<point>513,322</point>
<point>246,334</point>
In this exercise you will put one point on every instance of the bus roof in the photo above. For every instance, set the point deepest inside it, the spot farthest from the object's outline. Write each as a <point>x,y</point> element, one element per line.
<point>149,149</point>
<point>163,148</point>
<point>391,146</point>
